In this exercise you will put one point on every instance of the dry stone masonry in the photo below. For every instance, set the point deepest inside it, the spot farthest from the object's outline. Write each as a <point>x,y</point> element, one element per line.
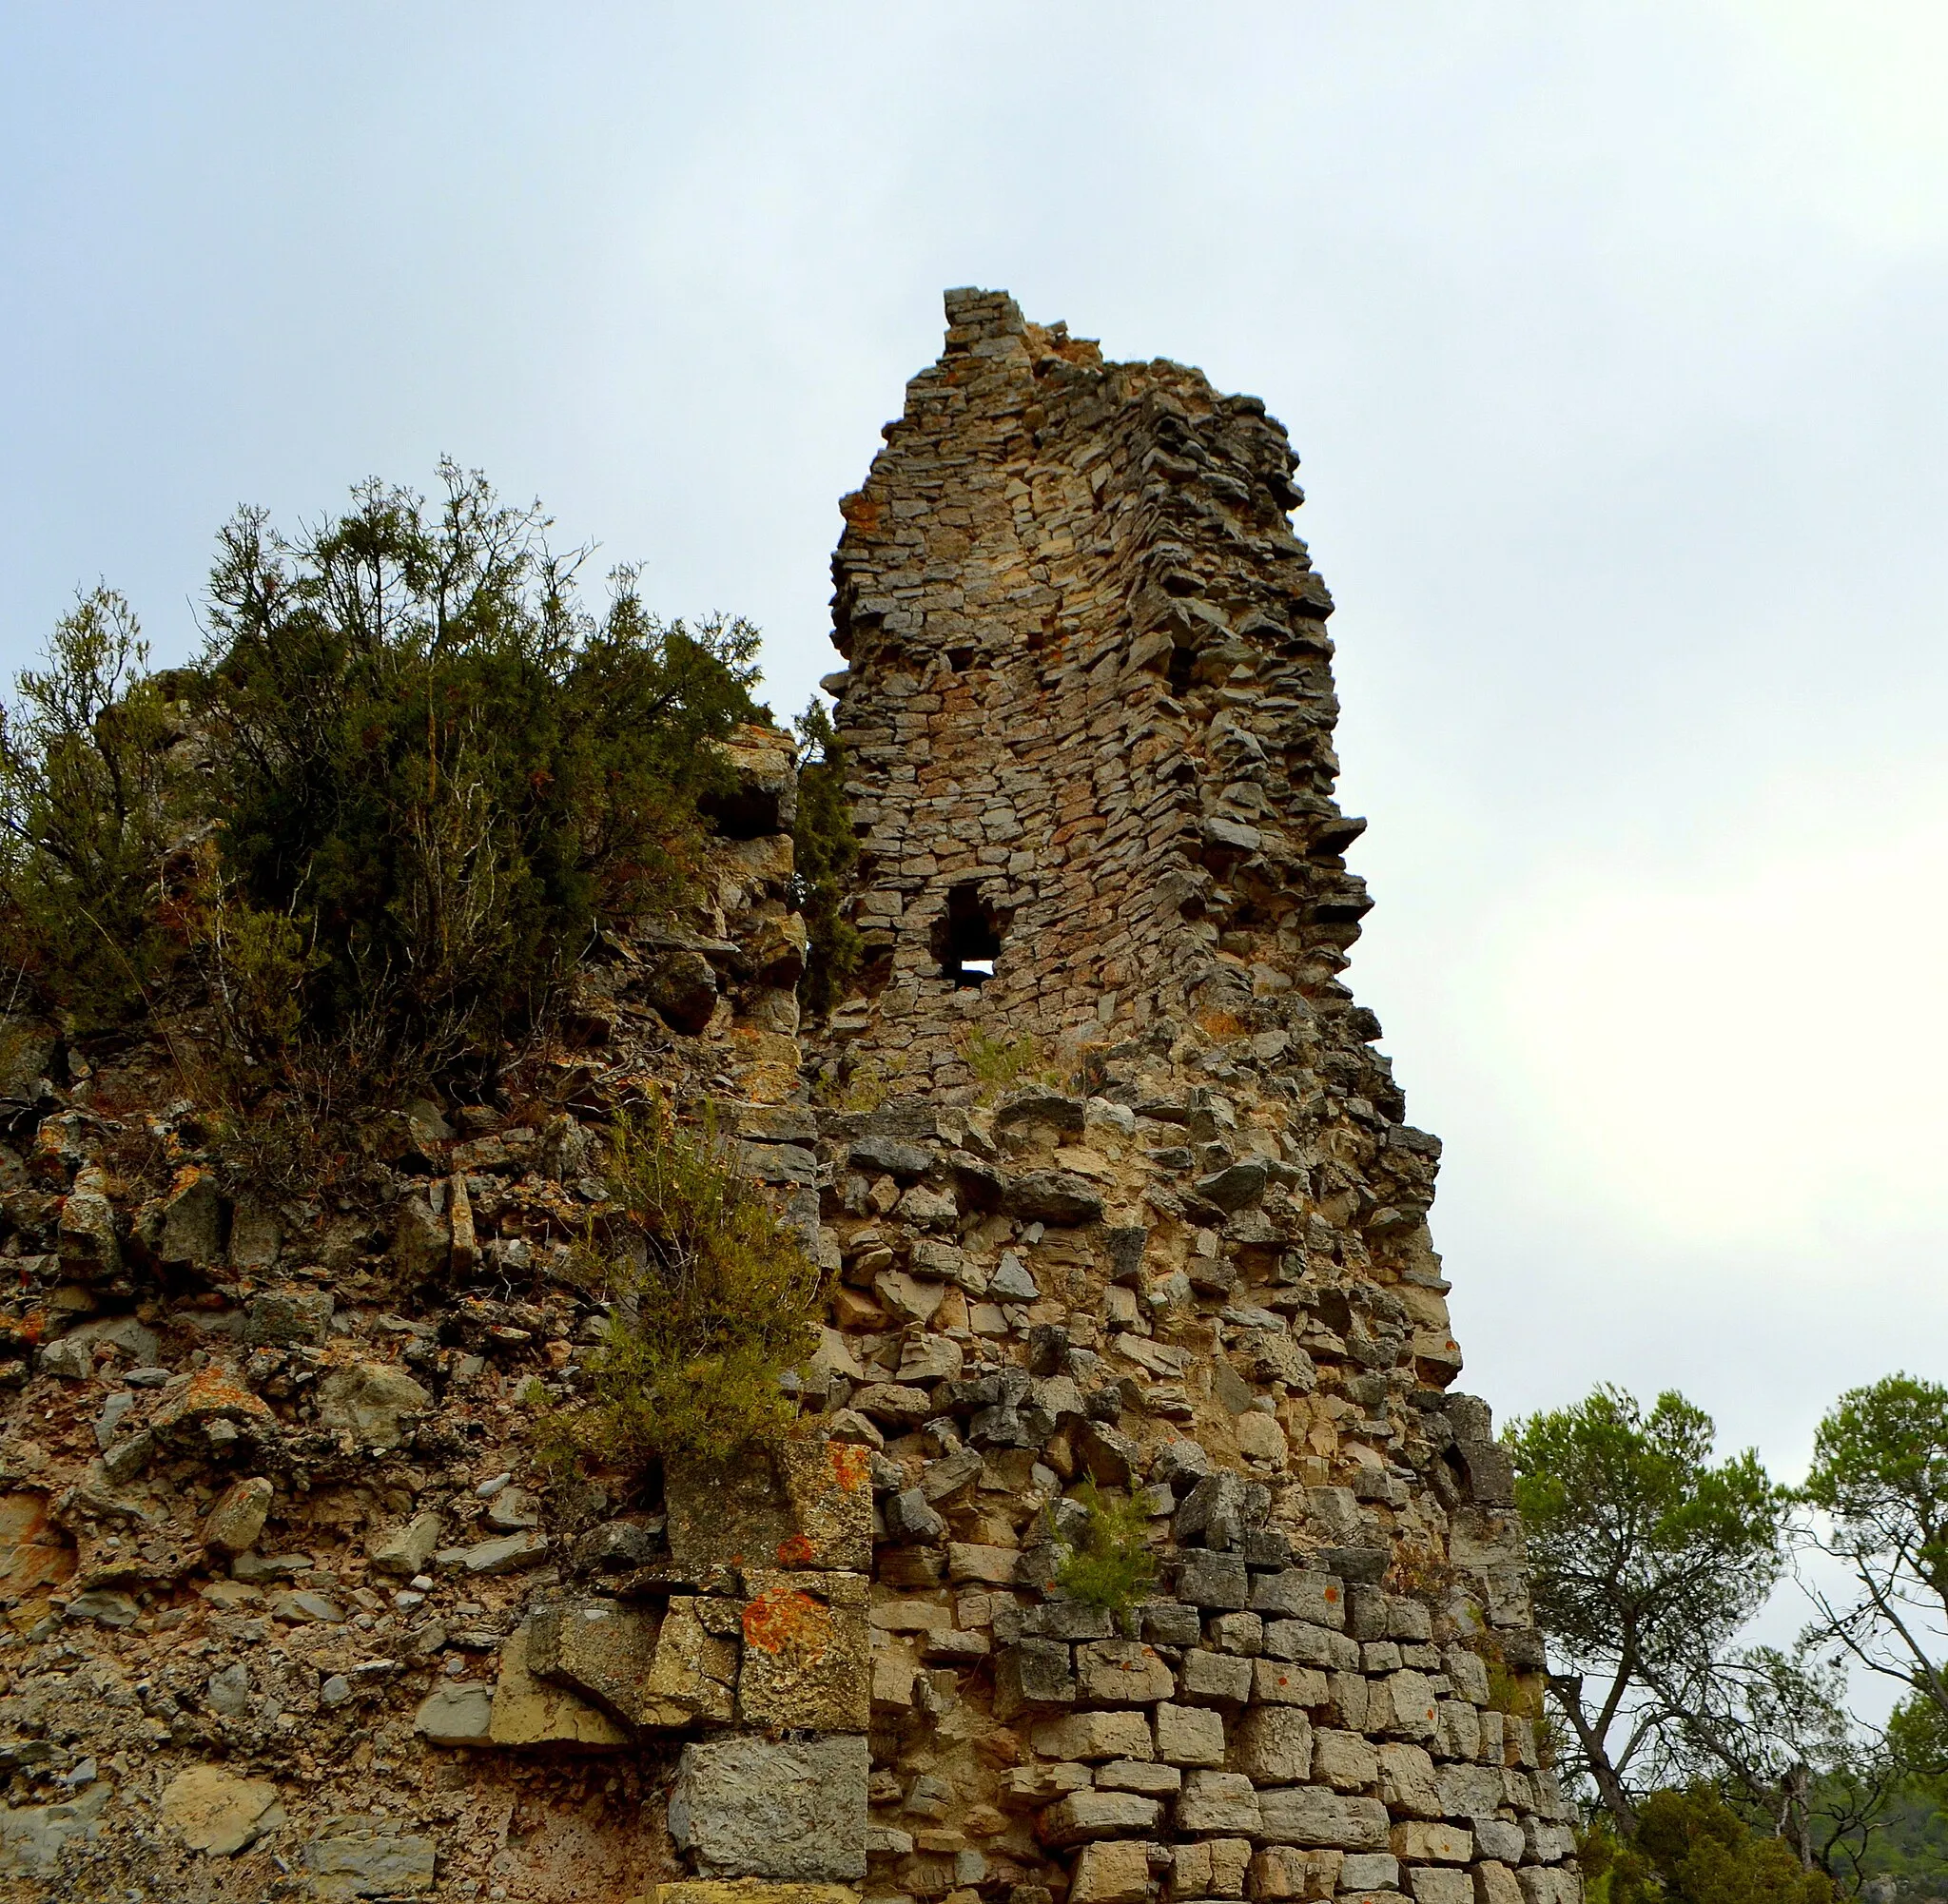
<point>1117,1201</point>
<point>1138,1206</point>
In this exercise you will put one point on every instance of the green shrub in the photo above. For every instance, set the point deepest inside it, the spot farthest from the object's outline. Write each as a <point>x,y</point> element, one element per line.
<point>717,1305</point>
<point>997,1063</point>
<point>91,798</point>
<point>1691,1848</point>
<point>433,776</point>
<point>1109,1564</point>
<point>824,850</point>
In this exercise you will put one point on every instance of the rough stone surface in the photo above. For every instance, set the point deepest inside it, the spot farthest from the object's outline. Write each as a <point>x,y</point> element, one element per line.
<point>748,1807</point>
<point>1113,1190</point>
<point>214,1811</point>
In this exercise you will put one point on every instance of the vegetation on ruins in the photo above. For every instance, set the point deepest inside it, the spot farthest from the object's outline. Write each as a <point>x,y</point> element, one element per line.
<point>1715,1770</point>
<point>1690,1847</point>
<point>711,1297</point>
<point>1107,1561</point>
<point>824,850</point>
<point>409,779</point>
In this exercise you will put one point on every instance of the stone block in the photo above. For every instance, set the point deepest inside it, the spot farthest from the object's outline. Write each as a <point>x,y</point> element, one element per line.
<point>1273,1745</point>
<point>1371,1870</point>
<point>1212,1868</point>
<point>368,1864</point>
<point>1541,1885</point>
<point>695,1669</point>
<point>1307,1815</point>
<point>1189,1735</point>
<point>1421,1842</point>
<point>1495,1883</point>
<point>279,1318</point>
<point>603,1651</point>
<point>746,1807</point>
<point>1139,1775</point>
<point>1086,1816</point>
<point>216,1813</point>
<point>1218,1802</point>
<point>1281,1682</point>
<point>1407,1782</point>
<point>404,1551</point>
<point>969,1563</point>
<point>234,1523</point>
<point>371,1401</point>
<point>1215,1679</point>
<point>1214,1582</point>
<point>807,1658</point>
<point>1413,1708</point>
<point>1469,1792</point>
<point>455,1715</point>
<point>529,1712</point>
<point>1092,1736</point>
<point>1294,1594</point>
<point>1113,1871</point>
<point>1435,1884</point>
<point>1035,1672</point>
<point>1122,1672</point>
<point>808,1504</point>
<point>1282,1871</point>
<point>1495,1837</point>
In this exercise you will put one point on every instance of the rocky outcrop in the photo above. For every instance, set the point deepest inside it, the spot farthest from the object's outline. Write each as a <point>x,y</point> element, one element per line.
<point>1116,1203</point>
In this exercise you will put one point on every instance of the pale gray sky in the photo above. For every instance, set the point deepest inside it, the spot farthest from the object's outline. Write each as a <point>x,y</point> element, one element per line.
<point>1611,338</point>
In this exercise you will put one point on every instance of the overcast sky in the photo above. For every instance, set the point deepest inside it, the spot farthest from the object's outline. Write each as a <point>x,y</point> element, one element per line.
<point>1611,336</point>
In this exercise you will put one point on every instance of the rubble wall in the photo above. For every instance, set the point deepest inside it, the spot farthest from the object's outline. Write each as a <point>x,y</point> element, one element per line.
<point>1128,1225</point>
<point>1139,1209</point>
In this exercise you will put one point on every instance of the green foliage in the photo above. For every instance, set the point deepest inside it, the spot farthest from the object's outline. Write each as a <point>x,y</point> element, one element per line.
<point>1648,1559</point>
<point>439,765</point>
<point>824,850</point>
<point>1638,1539</point>
<point>1880,1473</point>
<point>1109,1564</point>
<point>1879,1480</point>
<point>998,1062</point>
<point>713,1301</point>
<point>90,797</point>
<point>433,775</point>
<point>1690,1847</point>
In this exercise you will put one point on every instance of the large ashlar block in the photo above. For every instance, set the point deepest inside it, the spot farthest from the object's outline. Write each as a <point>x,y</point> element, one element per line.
<point>530,1712</point>
<point>747,1807</point>
<point>606,1652</point>
<point>808,1504</point>
<point>806,1659</point>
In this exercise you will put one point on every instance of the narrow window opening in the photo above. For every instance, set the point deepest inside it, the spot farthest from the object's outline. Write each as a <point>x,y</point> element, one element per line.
<point>968,937</point>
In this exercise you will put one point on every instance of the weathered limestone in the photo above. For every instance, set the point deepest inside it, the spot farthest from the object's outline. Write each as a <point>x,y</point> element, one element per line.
<point>1130,1199</point>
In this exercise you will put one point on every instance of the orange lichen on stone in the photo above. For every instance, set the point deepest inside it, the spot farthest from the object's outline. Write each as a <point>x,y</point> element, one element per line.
<point>851,1464</point>
<point>785,1621</point>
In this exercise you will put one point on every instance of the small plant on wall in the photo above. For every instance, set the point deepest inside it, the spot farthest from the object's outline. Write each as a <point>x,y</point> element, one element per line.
<point>1108,1563</point>
<point>711,1300</point>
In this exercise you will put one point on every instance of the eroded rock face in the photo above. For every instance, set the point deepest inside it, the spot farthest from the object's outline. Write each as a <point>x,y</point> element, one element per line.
<point>292,1607</point>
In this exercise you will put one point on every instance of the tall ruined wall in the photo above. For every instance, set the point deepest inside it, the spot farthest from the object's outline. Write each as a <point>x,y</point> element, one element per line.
<point>1089,701</point>
<point>290,1610</point>
<point>1184,1254</point>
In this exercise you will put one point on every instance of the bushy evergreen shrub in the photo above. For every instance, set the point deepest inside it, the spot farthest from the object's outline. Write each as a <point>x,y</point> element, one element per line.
<point>410,778</point>
<point>712,1298</point>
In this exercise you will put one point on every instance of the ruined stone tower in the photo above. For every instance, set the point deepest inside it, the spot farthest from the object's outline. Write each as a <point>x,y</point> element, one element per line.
<point>1128,1243</point>
<point>1139,1206</point>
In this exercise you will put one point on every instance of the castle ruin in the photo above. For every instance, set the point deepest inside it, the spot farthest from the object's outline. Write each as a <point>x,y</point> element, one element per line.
<point>1119,1207</point>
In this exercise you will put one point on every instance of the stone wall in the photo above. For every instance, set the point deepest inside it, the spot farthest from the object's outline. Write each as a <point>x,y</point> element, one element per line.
<point>1139,1208</point>
<point>290,1610</point>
